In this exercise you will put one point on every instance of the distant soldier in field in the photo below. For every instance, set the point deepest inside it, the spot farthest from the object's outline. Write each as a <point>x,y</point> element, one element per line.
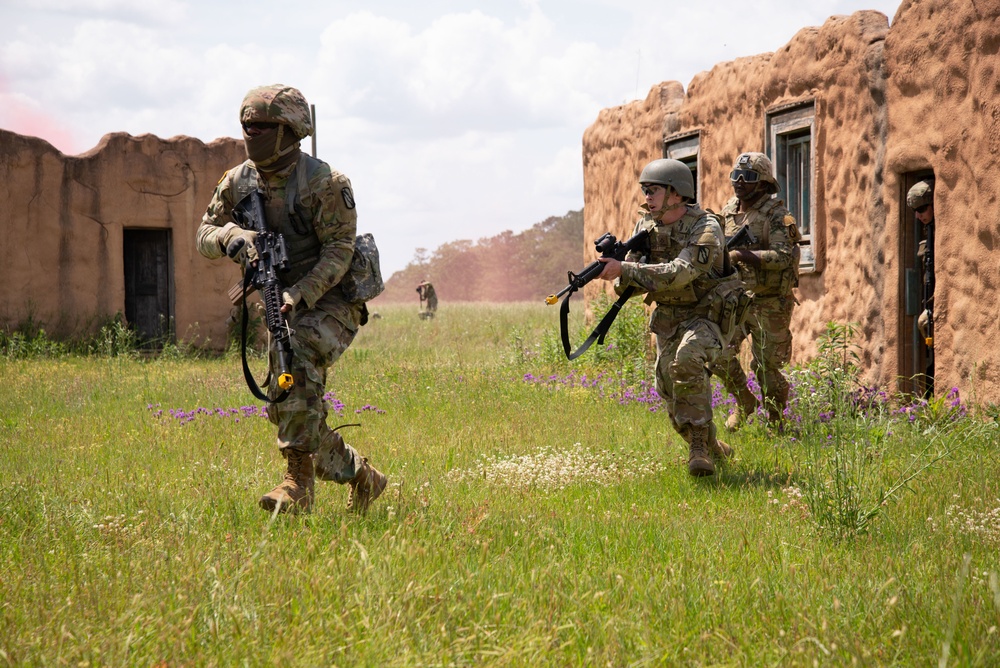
<point>920,198</point>
<point>698,306</point>
<point>312,207</point>
<point>770,268</point>
<point>428,299</point>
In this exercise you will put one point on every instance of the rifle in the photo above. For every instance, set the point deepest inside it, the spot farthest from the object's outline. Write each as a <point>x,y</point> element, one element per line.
<point>263,275</point>
<point>608,247</point>
<point>743,238</point>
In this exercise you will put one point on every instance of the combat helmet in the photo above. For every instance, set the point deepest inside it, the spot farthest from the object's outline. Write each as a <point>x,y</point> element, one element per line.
<point>754,167</point>
<point>920,195</point>
<point>278,103</point>
<point>668,172</point>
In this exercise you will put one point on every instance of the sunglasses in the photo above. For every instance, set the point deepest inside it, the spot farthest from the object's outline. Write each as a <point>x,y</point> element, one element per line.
<point>922,209</point>
<point>649,190</point>
<point>745,175</point>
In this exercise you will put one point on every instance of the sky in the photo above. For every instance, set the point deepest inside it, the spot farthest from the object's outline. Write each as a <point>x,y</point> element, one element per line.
<point>453,120</point>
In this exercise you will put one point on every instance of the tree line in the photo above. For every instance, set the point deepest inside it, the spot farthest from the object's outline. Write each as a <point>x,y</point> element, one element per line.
<point>508,267</point>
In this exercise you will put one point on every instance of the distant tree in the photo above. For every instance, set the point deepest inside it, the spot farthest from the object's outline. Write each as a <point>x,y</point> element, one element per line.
<point>507,267</point>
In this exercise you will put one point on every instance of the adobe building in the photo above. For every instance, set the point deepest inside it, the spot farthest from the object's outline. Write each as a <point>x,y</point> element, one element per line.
<point>113,230</point>
<point>852,114</point>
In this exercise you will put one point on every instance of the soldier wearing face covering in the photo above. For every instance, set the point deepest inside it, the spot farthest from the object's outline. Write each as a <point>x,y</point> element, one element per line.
<point>313,207</point>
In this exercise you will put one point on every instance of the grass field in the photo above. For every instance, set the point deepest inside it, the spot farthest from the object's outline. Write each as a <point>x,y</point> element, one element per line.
<point>539,513</point>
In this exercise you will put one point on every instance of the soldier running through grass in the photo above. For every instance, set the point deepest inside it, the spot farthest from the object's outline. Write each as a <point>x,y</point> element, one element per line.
<point>698,304</point>
<point>313,207</point>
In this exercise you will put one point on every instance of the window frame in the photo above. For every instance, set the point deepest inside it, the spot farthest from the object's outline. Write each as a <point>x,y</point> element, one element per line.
<point>684,146</point>
<point>791,122</point>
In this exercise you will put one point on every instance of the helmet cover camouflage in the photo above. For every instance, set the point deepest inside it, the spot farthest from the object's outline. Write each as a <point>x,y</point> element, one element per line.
<point>921,194</point>
<point>668,172</point>
<point>278,104</point>
<point>761,165</point>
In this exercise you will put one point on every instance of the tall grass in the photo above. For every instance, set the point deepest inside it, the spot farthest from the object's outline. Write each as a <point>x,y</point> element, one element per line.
<point>538,513</point>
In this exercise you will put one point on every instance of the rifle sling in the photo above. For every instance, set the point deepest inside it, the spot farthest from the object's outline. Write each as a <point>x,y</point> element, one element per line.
<point>602,327</point>
<point>251,383</point>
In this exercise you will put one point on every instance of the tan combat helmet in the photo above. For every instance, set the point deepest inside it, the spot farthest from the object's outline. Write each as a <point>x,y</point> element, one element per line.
<point>754,167</point>
<point>920,195</point>
<point>667,172</point>
<point>278,103</point>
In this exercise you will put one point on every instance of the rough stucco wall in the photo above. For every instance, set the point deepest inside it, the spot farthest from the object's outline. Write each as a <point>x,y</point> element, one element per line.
<point>944,114</point>
<point>63,222</point>
<point>839,67</point>
<point>615,149</point>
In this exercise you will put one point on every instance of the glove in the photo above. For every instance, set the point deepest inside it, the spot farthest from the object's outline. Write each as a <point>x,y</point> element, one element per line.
<point>238,243</point>
<point>290,298</point>
<point>747,257</point>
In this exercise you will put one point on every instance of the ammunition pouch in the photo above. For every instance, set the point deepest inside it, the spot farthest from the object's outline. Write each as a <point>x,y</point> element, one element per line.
<point>728,306</point>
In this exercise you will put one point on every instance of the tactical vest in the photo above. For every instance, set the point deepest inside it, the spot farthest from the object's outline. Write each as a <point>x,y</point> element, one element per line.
<point>766,282</point>
<point>665,243</point>
<point>287,216</point>
<point>722,299</point>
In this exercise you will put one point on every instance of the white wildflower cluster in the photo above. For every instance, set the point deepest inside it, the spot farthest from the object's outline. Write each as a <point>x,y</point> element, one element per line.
<point>121,525</point>
<point>552,469</point>
<point>795,502</point>
<point>983,524</point>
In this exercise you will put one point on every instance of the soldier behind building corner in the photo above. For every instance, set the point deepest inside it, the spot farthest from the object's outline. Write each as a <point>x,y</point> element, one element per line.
<point>313,207</point>
<point>683,273</point>
<point>920,199</point>
<point>769,267</point>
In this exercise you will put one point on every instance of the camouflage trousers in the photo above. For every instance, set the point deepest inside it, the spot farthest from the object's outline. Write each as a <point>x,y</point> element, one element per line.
<point>682,376</point>
<point>319,341</point>
<point>771,348</point>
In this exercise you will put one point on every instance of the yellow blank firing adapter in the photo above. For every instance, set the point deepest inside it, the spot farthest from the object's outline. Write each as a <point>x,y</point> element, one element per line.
<point>551,299</point>
<point>285,381</point>
<point>929,341</point>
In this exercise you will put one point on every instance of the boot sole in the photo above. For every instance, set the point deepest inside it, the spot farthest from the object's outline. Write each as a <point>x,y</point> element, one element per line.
<point>700,470</point>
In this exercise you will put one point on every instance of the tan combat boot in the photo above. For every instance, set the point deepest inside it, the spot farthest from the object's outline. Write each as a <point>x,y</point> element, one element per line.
<point>295,493</point>
<point>366,486</point>
<point>720,449</point>
<point>699,459</point>
<point>746,405</point>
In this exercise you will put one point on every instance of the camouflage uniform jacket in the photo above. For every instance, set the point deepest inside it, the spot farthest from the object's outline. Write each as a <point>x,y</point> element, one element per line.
<point>683,272</point>
<point>777,245</point>
<point>319,224</point>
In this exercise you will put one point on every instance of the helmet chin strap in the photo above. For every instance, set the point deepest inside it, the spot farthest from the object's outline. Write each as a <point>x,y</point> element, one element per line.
<point>277,160</point>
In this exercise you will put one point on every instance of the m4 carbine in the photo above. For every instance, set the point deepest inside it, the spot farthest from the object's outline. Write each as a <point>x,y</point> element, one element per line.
<point>608,247</point>
<point>272,257</point>
<point>742,239</point>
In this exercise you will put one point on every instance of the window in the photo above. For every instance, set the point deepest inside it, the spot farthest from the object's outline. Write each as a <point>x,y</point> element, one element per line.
<point>791,148</point>
<point>684,147</point>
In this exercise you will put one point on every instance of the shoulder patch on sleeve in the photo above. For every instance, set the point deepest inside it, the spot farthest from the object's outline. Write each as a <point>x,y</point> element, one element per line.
<point>703,255</point>
<point>223,177</point>
<point>348,197</point>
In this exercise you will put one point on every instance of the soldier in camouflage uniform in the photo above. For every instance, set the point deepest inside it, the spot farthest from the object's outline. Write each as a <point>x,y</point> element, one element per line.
<point>920,198</point>
<point>698,306</point>
<point>770,268</point>
<point>313,207</point>
<point>428,299</point>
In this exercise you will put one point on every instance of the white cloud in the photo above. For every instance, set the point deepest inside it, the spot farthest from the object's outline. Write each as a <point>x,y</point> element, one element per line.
<point>451,123</point>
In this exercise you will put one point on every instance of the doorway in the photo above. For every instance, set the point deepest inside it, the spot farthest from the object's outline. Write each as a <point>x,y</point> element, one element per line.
<point>916,357</point>
<point>149,285</point>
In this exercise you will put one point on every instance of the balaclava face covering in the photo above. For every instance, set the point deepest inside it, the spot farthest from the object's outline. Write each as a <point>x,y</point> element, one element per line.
<point>273,149</point>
